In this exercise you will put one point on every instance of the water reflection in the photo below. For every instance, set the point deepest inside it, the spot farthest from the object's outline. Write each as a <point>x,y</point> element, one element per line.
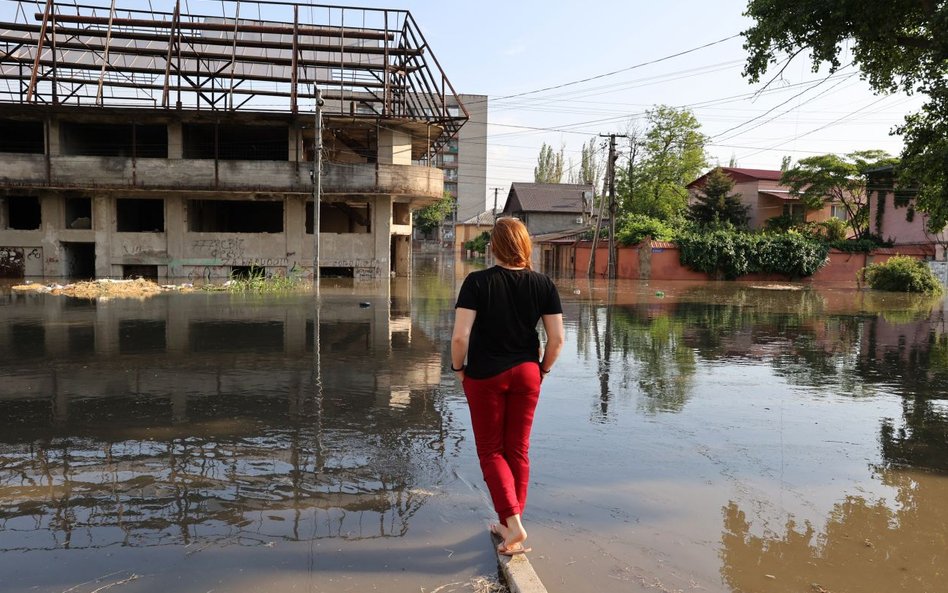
<point>203,418</point>
<point>864,545</point>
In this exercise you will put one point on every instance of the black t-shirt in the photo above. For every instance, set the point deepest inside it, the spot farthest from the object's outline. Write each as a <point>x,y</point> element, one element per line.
<point>509,303</point>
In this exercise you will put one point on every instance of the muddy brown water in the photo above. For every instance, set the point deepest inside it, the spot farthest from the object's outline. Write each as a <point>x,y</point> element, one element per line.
<point>714,437</point>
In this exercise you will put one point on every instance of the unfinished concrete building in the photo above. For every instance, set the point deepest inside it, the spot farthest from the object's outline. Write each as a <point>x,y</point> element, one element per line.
<point>182,144</point>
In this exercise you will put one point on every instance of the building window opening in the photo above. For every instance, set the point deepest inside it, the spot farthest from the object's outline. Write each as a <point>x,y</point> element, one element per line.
<point>79,259</point>
<point>401,214</point>
<point>78,213</point>
<point>336,272</point>
<point>24,213</point>
<point>116,140</point>
<point>236,143</point>
<point>244,272</point>
<point>344,217</point>
<point>133,215</point>
<point>235,216</point>
<point>139,271</point>
<point>21,136</point>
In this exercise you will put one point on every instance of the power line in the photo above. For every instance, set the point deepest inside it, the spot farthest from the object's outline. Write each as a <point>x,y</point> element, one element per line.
<point>614,72</point>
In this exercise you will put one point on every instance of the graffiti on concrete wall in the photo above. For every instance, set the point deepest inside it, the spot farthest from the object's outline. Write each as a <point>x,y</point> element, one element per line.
<point>11,262</point>
<point>222,249</point>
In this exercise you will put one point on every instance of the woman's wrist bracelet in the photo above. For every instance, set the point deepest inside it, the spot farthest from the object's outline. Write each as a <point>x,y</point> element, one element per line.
<point>463,366</point>
<point>545,371</point>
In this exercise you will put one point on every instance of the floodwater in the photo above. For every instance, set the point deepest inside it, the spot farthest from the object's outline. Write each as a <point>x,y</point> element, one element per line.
<point>720,437</point>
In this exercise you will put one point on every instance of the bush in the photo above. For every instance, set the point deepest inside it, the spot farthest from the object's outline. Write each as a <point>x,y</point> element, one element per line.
<point>478,243</point>
<point>735,254</point>
<point>636,227</point>
<point>834,229</point>
<point>902,274</point>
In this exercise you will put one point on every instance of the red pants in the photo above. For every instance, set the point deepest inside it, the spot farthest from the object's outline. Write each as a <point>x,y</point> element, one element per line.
<point>502,409</point>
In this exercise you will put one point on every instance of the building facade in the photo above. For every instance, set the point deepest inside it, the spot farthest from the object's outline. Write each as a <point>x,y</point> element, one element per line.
<point>464,162</point>
<point>211,179</point>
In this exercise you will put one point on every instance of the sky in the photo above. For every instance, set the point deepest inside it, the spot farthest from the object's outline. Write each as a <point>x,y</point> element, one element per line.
<point>508,48</point>
<point>513,50</point>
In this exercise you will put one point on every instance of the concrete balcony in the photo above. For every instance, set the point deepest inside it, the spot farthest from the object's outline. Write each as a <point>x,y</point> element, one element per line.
<point>422,184</point>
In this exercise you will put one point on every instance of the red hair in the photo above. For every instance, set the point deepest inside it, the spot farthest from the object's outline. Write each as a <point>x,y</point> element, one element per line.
<point>510,243</point>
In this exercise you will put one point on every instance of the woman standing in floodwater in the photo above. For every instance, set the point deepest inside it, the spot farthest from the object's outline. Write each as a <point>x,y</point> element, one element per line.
<point>495,330</point>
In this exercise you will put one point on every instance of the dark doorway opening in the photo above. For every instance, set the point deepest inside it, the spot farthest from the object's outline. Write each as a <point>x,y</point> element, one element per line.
<point>140,271</point>
<point>79,259</point>
<point>21,136</point>
<point>235,216</point>
<point>24,213</point>
<point>139,215</point>
<point>78,213</point>
<point>336,272</point>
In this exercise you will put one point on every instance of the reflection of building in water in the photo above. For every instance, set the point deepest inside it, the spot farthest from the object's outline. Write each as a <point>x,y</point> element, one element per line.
<point>176,422</point>
<point>865,545</point>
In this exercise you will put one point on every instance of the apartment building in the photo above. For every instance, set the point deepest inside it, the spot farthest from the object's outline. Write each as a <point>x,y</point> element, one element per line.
<point>464,162</point>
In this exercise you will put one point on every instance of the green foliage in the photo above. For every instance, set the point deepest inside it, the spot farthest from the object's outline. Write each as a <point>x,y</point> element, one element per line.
<point>590,166</point>
<point>634,228</point>
<point>925,157</point>
<point>428,218</point>
<point>854,246</point>
<point>733,254</point>
<point>781,224</point>
<point>667,156</point>
<point>257,281</point>
<point>905,50</point>
<point>479,243</point>
<point>549,167</point>
<point>833,230</point>
<point>830,178</point>
<point>717,204</point>
<point>902,274</point>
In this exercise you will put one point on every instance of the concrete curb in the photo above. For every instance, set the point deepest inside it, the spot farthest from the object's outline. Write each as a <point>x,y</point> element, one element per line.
<point>521,578</point>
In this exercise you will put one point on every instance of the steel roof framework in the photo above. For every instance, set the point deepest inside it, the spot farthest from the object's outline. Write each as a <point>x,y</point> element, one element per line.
<point>367,63</point>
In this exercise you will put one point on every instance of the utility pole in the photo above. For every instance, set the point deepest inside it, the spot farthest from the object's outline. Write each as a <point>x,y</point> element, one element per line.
<point>611,172</point>
<point>317,182</point>
<point>496,189</point>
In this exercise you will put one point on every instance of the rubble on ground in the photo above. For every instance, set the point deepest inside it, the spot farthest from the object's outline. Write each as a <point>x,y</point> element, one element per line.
<point>138,288</point>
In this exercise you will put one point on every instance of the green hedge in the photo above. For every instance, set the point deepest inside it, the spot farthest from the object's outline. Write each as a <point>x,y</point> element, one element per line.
<point>733,254</point>
<point>902,274</point>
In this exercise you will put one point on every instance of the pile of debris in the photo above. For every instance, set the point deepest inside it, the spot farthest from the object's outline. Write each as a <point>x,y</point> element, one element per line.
<point>104,289</point>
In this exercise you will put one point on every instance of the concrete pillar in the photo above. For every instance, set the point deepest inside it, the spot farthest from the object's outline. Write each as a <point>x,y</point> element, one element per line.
<point>402,263</point>
<point>102,210</point>
<point>4,214</point>
<point>394,147</point>
<point>382,229</point>
<point>51,210</point>
<point>295,230</point>
<point>53,147</point>
<point>294,143</point>
<point>175,230</point>
<point>175,140</point>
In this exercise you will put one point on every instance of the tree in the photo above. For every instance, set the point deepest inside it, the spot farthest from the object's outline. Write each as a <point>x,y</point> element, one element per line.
<point>924,163</point>
<point>549,167</point>
<point>897,44</point>
<point>666,156</point>
<point>830,178</point>
<point>590,166</point>
<point>431,216</point>
<point>718,204</point>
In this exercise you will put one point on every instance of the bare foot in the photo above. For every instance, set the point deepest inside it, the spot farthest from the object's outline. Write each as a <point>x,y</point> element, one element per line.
<point>514,535</point>
<point>499,529</point>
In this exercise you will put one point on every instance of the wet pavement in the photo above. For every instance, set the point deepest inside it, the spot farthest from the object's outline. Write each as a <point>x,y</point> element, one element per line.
<point>712,436</point>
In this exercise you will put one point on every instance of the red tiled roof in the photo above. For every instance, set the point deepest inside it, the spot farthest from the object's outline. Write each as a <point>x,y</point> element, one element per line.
<point>738,174</point>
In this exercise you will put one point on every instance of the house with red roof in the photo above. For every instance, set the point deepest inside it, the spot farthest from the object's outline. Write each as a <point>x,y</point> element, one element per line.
<point>766,198</point>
